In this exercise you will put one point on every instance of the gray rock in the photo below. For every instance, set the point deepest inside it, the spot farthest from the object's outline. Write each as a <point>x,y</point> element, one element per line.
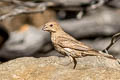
<point>24,43</point>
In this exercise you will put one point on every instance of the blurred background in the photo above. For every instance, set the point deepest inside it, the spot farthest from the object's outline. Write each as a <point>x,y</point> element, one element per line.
<point>93,22</point>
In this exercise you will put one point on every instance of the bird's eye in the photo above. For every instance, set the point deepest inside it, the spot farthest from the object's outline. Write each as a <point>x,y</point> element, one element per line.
<point>51,25</point>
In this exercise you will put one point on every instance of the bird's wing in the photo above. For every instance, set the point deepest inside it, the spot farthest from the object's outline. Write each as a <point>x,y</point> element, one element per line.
<point>72,44</point>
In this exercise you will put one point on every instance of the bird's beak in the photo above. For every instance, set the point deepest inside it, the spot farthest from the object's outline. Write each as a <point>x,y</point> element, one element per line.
<point>43,28</point>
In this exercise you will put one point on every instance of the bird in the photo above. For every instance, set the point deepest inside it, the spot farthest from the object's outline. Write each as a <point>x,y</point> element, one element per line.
<point>68,45</point>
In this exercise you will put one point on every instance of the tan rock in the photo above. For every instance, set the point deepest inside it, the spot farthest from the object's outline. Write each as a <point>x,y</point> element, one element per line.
<point>54,68</point>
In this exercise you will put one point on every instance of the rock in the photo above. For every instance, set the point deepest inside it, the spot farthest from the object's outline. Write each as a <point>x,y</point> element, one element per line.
<point>57,68</point>
<point>36,19</point>
<point>114,3</point>
<point>100,22</point>
<point>25,43</point>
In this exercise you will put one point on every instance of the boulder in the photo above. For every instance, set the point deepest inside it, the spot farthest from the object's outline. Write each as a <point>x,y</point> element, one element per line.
<point>60,68</point>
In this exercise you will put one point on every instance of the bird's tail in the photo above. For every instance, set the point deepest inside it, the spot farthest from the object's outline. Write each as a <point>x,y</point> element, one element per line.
<point>102,54</point>
<point>110,57</point>
<point>107,55</point>
<point>99,53</point>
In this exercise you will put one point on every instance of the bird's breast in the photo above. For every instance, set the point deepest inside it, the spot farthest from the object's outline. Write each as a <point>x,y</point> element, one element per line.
<point>54,38</point>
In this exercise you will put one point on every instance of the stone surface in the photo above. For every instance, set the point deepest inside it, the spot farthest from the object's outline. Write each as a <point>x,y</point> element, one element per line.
<point>24,43</point>
<point>57,68</point>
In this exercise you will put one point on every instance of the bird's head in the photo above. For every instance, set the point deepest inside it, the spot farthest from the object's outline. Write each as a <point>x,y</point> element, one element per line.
<point>51,27</point>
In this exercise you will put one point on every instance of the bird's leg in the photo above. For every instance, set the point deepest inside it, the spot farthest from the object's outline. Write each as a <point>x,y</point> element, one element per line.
<point>72,59</point>
<point>75,63</point>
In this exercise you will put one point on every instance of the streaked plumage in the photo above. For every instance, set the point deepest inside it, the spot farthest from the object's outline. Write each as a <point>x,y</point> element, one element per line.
<point>69,46</point>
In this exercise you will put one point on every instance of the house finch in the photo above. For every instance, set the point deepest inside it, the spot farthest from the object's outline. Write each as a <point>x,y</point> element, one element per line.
<point>69,46</point>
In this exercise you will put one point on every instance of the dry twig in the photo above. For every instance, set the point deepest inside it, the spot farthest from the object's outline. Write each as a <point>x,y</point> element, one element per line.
<point>114,39</point>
